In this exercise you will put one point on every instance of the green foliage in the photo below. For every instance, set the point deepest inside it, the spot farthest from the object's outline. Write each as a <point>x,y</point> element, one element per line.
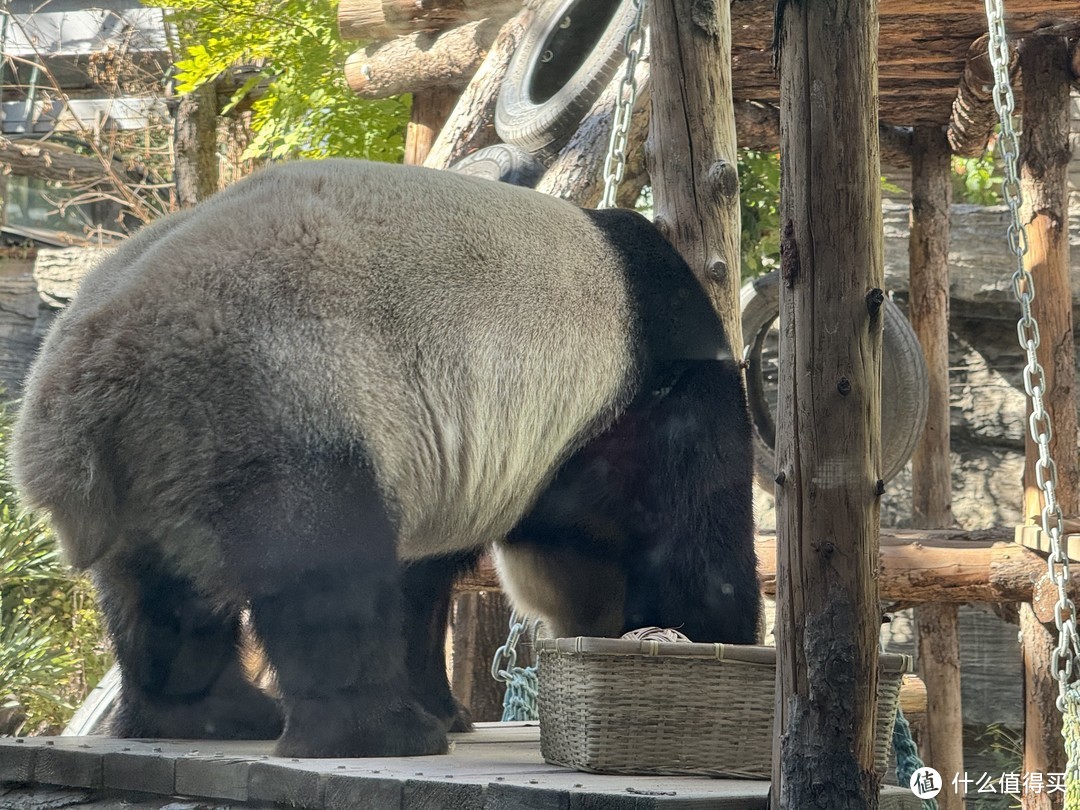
<point>759,199</point>
<point>308,109</point>
<point>976,180</point>
<point>51,651</point>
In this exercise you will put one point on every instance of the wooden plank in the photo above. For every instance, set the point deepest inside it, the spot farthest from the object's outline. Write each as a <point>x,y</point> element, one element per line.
<point>140,771</point>
<point>520,797</point>
<point>71,767</point>
<point>350,792</point>
<point>422,794</point>
<point>17,762</point>
<point>1035,538</point>
<point>221,777</point>
<point>293,783</point>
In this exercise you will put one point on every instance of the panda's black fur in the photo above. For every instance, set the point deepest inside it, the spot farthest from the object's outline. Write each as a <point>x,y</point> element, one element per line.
<point>321,393</point>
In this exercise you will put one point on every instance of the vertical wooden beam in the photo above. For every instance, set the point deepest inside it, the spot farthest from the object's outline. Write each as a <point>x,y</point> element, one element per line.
<point>828,443</point>
<point>195,145</point>
<point>691,146</point>
<point>931,482</point>
<point>1044,155</point>
<point>430,110</point>
<point>478,623</point>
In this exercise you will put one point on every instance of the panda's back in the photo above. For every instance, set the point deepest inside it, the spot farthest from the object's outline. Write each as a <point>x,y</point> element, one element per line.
<point>459,335</point>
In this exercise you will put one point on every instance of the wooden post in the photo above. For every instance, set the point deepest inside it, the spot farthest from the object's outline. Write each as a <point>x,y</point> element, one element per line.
<point>195,143</point>
<point>829,410</point>
<point>478,624</point>
<point>691,146</point>
<point>1044,155</point>
<point>430,109</point>
<point>931,482</point>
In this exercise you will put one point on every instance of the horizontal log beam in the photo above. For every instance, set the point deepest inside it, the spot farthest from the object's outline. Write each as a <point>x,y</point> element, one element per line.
<point>973,113</point>
<point>53,162</point>
<point>382,19</point>
<point>422,61</point>
<point>939,565</point>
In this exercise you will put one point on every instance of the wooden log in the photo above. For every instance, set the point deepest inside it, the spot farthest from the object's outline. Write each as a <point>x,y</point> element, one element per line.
<point>931,478</point>
<point>196,160</point>
<point>478,626</point>
<point>577,173</point>
<point>829,414</point>
<point>973,113</point>
<point>421,61</point>
<point>1074,63</point>
<point>692,149</point>
<point>757,126</point>
<point>382,19</point>
<point>914,567</point>
<point>1044,156</point>
<point>53,162</point>
<point>428,115</point>
<point>470,124</point>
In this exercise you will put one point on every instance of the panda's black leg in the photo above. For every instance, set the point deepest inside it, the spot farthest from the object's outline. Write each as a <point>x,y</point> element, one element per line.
<point>314,547</point>
<point>427,589</point>
<point>178,657</point>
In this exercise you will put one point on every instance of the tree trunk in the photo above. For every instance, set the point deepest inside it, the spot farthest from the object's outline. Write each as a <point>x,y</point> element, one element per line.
<point>196,145</point>
<point>1044,158</point>
<point>931,480</point>
<point>829,414</point>
<point>692,150</point>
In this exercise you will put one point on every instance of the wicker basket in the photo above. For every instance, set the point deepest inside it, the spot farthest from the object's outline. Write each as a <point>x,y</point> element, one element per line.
<point>652,708</point>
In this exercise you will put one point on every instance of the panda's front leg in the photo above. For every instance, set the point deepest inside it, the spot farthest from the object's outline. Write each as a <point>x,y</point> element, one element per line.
<point>315,550</point>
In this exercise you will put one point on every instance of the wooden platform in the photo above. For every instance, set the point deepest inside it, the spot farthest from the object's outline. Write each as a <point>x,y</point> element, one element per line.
<point>497,767</point>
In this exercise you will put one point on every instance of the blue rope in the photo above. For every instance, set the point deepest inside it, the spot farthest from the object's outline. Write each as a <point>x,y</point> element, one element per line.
<point>907,756</point>
<point>520,700</point>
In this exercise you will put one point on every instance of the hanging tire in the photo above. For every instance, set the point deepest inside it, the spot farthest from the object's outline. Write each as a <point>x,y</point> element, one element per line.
<point>93,715</point>
<point>561,66</point>
<point>502,162</point>
<point>905,388</point>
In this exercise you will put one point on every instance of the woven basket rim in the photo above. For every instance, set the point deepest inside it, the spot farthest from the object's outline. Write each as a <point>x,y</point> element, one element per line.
<point>892,663</point>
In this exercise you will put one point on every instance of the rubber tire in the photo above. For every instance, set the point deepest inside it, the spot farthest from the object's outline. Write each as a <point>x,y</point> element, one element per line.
<point>542,126</point>
<point>503,162</point>
<point>92,716</point>
<point>905,387</point>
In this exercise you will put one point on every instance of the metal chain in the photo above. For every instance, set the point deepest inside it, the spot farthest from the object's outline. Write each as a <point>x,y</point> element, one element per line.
<point>506,656</point>
<point>615,162</point>
<point>1027,330</point>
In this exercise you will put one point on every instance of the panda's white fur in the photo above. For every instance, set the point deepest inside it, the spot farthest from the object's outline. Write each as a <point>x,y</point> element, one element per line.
<point>466,387</point>
<point>459,339</point>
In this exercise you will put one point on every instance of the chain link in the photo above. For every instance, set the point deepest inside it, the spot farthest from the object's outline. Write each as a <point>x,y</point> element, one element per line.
<point>506,656</point>
<point>1068,646</point>
<point>615,162</point>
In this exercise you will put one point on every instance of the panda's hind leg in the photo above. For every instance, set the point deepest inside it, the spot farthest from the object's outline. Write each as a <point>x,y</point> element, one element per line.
<point>313,546</point>
<point>181,674</point>
<point>427,589</point>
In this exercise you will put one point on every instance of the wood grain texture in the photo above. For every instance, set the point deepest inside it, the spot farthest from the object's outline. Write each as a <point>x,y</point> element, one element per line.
<point>1044,156</point>
<point>382,19</point>
<point>691,149</point>
<point>828,447</point>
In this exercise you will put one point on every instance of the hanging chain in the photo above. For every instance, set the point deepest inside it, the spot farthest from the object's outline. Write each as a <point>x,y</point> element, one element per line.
<point>506,656</point>
<point>615,162</point>
<point>1027,330</point>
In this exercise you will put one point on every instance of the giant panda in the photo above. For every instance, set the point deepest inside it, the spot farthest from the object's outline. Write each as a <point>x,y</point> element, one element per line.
<point>320,394</point>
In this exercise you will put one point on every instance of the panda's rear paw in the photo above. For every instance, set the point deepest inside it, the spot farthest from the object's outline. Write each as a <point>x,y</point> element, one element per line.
<point>460,720</point>
<point>387,727</point>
